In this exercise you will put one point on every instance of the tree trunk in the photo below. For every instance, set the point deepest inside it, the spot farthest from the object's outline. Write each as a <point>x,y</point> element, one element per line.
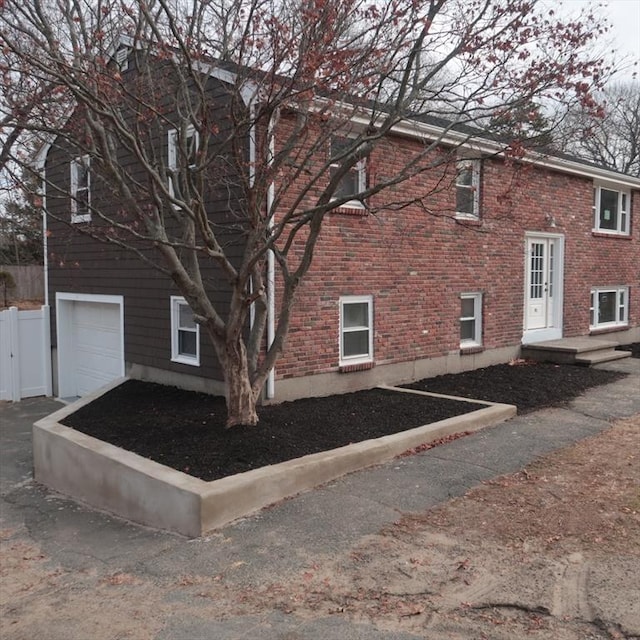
<point>241,399</point>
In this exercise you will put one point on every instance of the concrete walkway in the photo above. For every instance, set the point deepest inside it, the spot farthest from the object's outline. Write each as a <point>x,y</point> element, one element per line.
<point>280,540</point>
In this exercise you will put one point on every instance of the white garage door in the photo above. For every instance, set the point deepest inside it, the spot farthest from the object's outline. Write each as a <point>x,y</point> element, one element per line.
<point>96,334</point>
<point>90,345</point>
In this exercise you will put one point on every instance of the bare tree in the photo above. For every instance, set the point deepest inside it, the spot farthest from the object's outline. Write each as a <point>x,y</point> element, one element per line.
<point>611,137</point>
<point>312,89</point>
<point>21,225</point>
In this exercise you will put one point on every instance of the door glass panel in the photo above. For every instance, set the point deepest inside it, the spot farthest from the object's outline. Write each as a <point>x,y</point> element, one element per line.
<point>537,253</point>
<point>551,267</point>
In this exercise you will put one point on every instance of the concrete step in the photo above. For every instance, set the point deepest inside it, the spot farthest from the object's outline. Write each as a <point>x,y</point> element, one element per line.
<point>598,357</point>
<point>579,350</point>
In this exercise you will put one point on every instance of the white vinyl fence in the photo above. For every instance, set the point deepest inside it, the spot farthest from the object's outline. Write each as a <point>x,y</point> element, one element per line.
<point>25,354</point>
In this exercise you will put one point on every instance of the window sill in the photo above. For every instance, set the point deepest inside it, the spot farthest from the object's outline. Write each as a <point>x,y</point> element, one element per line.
<point>602,330</point>
<point>184,360</point>
<point>611,234</point>
<point>470,350</point>
<point>351,211</point>
<point>468,221</point>
<point>361,366</point>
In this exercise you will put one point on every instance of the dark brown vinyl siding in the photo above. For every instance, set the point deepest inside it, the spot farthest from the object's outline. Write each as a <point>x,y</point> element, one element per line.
<point>80,264</point>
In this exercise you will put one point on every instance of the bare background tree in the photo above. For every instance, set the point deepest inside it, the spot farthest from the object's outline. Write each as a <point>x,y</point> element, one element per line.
<point>611,139</point>
<point>297,74</point>
<point>21,226</point>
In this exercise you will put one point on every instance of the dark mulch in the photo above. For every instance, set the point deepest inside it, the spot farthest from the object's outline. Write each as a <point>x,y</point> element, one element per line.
<point>185,430</point>
<point>528,385</point>
<point>634,347</point>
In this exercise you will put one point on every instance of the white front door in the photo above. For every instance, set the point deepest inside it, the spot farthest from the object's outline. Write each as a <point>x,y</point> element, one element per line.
<point>543,282</point>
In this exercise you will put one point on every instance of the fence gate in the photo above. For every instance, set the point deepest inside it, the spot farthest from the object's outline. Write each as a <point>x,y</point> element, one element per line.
<point>25,354</point>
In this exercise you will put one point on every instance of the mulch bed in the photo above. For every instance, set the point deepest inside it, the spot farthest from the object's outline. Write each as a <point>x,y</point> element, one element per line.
<point>185,430</point>
<point>527,385</point>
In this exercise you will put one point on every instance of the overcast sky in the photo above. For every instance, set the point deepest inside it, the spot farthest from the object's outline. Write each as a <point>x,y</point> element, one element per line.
<point>624,16</point>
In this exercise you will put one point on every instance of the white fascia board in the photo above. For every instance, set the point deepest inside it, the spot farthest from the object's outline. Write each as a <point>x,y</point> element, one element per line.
<point>576,168</point>
<point>481,145</point>
<point>248,90</point>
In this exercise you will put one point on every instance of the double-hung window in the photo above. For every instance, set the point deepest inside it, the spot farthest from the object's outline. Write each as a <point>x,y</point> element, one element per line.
<point>182,158</point>
<point>470,320</point>
<point>185,333</point>
<point>612,210</point>
<point>468,189</point>
<point>356,330</point>
<point>354,181</point>
<point>80,189</point>
<point>609,307</point>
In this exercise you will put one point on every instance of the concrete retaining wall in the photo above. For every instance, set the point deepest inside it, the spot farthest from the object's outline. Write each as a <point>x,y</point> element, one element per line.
<point>144,491</point>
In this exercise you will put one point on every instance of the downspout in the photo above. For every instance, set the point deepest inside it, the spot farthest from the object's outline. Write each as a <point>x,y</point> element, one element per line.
<point>39,167</point>
<point>45,238</point>
<point>46,326</point>
<point>250,98</point>
<point>271,303</point>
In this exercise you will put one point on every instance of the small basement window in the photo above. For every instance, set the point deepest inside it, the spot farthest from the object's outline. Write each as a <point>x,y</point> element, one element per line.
<point>470,320</point>
<point>356,330</point>
<point>185,333</point>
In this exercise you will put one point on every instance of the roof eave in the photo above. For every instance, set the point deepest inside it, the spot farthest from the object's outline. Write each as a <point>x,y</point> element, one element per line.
<point>425,131</point>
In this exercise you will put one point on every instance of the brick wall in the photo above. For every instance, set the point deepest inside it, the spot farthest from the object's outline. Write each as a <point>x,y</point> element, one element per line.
<point>417,261</point>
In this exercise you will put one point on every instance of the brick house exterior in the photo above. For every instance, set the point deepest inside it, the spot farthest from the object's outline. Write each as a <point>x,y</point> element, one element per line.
<point>415,267</point>
<point>393,295</point>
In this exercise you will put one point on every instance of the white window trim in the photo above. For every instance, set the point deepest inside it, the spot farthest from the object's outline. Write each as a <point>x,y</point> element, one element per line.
<point>361,172</point>
<point>172,151</point>
<point>73,189</point>
<point>176,356</point>
<point>623,228</point>
<point>475,187</point>
<point>360,358</point>
<point>476,341</point>
<point>594,307</point>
